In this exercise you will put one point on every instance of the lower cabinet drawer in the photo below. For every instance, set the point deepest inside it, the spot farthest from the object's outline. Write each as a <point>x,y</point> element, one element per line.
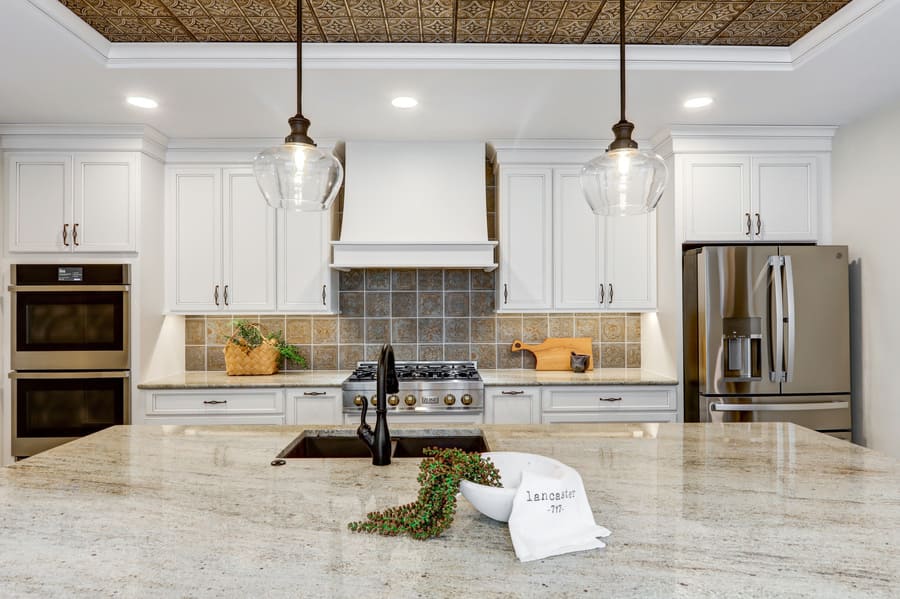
<point>207,419</point>
<point>608,399</point>
<point>249,401</point>
<point>607,416</point>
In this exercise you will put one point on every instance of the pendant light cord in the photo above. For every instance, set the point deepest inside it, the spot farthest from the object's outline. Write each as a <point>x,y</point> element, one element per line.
<point>621,57</point>
<point>300,57</point>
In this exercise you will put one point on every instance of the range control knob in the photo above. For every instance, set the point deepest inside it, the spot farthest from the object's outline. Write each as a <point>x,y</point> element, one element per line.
<point>359,400</point>
<point>374,400</point>
<point>449,399</point>
<point>393,400</point>
<point>466,399</point>
<point>410,400</point>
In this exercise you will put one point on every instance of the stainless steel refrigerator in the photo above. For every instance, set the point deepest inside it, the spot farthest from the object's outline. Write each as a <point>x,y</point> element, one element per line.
<point>767,335</point>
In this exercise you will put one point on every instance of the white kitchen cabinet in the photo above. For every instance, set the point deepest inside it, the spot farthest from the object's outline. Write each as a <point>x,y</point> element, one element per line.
<point>314,405</point>
<point>750,197</point>
<point>525,213</point>
<point>608,404</point>
<point>306,283</point>
<point>512,405</point>
<point>600,263</point>
<point>72,202</point>
<point>215,406</point>
<point>222,257</point>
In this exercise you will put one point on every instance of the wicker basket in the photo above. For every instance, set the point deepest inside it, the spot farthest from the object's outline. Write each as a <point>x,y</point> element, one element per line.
<point>241,359</point>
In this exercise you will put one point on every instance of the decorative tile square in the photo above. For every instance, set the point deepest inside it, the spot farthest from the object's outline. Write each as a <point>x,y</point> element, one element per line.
<point>273,325</point>
<point>306,352</point>
<point>431,280</point>
<point>562,326</point>
<point>378,303</point>
<point>352,330</point>
<point>612,329</point>
<point>535,328</point>
<point>482,280</point>
<point>195,332</point>
<point>195,358</point>
<point>457,352</point>
<point>509,329</point>
<point>431,330</point>
<point>456,330</point>
<point>481,303</point>
<point>484,330</point>
<point>431,304</point>
<point>349,355</point>
<point>299,330</point>
<point>508,359</point>
<point>352,280</point>
<point>217,330</point>
<point>633,328</point>
<point>587,325</point>
<point>612,355</point>
<point>325,357</point>
<point>403,280</point>
<point>405,352</point>
<point>378,279</point>
<point>432,353</point>
<point>403,304</point>
<point>378,330</point>
<point>485,354</point>
<point>215,358</point>
<point>325,330</point>
<point>352,303</point>
<point>457,303</point>
<point>456,280</point>
<point>529,360</point>
<point>632,355</point>
<point>403,330</point>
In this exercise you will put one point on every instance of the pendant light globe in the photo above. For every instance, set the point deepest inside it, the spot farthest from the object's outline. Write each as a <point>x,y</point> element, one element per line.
<point>297,175</point>
<point>625,180</point>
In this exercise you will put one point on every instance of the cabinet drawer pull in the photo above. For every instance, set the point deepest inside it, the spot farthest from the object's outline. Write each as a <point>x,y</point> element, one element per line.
<point>511,392</point>
<point>610,293</point>
<point>602,293</point>
<point>75,233</point>
<point>216,295</point>
<point>214,402</point>
<point>314,393</point>
<point>749,224</point>
<point>610,398</point>
<point>323,295</point>
<point>66,234</point>
<point>758,224</point>
<point>226,295</point>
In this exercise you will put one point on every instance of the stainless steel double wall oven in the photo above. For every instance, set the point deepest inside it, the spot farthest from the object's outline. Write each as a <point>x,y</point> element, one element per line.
<point>69,352</point>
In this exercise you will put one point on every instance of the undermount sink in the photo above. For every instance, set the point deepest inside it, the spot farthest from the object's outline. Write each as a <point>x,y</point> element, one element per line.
<point>404,444</point>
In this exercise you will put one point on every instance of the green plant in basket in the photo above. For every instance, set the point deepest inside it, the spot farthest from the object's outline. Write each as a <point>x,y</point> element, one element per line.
<point>250,335</point>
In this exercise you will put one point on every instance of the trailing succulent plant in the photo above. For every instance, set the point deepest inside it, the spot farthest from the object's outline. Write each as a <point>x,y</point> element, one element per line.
<point>250,335</point>
<point>432,513</point>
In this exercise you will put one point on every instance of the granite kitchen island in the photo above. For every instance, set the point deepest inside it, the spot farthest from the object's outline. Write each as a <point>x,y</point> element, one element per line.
<point>755,510</point>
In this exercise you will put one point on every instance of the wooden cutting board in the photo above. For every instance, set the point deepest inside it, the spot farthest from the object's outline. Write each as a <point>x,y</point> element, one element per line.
<point>555,352</point>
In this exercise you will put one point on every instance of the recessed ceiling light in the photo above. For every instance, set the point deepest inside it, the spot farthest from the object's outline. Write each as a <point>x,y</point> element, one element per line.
<point>142,102</point>
<point>404,102</point>
<point>698,102</point>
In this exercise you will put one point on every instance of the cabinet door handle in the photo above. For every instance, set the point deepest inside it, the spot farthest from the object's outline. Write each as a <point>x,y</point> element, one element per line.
<point>758,224</point>
<point>226,295</point>
<point>602,293</point>
<point>610,293</point>
<point>214,402</point>
<point>75,233</point>
<point>66,234</point>
<point>323,295</point>
<point>610,398</point>
<point>314,393</point>
<point>749,224</point>
<point>505,293</point>
<point>216,295</point>
<point>511,392</point>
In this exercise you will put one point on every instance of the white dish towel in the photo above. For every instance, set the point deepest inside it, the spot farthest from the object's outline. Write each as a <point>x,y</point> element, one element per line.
<point>551,516</point>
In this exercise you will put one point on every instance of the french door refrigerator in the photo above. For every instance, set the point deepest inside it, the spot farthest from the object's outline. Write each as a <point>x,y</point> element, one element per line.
<point>767,335</point>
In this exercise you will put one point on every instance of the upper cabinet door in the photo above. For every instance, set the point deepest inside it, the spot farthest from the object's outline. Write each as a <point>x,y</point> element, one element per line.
<point>194,228</point>
<point>306,283</point>
<point>249,234</point>
<point>526,278</point>
<point>717,198</point>
<point>576,240</point>
<point>784,196</point>
<point>105,203</point>
<point>40,202</point>
<point>630,262</point>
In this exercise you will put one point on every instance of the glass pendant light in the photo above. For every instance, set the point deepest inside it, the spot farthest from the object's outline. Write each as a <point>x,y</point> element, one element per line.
<point>297,175</point>
<point>624,180</point>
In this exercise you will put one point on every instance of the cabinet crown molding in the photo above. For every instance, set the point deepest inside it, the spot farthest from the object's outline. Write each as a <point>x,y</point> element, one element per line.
<point>711,139</point>
<point>238,150</point>
<point>79,138</point>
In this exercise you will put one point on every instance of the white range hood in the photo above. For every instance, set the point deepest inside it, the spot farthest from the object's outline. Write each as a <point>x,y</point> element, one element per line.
<point>414,205</point>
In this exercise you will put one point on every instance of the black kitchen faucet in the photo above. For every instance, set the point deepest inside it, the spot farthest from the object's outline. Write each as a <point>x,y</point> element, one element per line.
<point>379,442</point>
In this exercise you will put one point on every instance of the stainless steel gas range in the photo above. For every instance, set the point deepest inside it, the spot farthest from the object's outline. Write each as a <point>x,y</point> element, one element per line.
<point>436,389</point>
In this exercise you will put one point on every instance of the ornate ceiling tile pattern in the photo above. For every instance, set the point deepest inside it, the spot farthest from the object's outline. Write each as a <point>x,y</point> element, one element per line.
<point>733,23</point>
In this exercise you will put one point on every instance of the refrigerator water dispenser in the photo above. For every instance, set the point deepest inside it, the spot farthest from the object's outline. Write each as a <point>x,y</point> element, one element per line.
<point>742,339</point>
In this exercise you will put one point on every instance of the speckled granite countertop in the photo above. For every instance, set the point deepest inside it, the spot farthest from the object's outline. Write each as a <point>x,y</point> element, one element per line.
<point>739,510</point>
<point>334,378</point>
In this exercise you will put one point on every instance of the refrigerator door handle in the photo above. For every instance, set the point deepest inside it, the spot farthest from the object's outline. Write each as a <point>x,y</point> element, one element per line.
<point>777,374</point>
<point>791,318</point>
<point>778,407</point>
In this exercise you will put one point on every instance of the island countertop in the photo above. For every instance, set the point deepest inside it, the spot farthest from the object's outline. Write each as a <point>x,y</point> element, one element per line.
<point>334,378</point>
<point>725,510</point>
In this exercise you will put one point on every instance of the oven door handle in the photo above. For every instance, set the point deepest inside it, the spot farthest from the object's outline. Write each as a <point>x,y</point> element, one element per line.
<point>102,374</point>
<point>73,288</point>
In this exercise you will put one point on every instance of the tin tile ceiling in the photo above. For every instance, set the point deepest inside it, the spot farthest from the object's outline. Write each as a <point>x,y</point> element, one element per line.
<point>748,22</point>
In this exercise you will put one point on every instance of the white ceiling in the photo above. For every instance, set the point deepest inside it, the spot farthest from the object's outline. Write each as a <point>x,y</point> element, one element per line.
<point>50,75</point>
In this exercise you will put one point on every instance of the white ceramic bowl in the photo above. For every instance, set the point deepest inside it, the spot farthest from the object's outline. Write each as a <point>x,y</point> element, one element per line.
<point>496,502</point>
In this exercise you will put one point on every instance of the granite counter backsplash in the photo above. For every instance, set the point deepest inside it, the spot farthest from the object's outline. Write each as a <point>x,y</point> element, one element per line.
<point>428,314</point>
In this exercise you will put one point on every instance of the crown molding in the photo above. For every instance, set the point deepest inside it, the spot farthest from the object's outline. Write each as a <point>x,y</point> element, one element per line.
<point>74,138</point>
<point>232,150</point>
<point>849,18</point>
<point>712,139</point>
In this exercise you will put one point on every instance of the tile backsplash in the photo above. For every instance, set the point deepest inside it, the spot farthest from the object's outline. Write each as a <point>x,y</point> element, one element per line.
<point>427,314</point>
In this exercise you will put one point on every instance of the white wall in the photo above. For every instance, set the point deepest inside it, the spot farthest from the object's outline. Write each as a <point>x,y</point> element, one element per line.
<point>866,211</point>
